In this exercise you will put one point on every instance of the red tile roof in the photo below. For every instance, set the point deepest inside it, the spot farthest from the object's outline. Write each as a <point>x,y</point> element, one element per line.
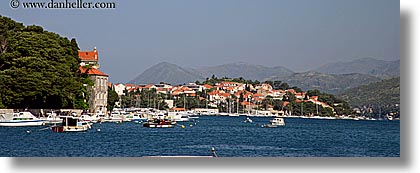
<point>92,71</point>
<point>178,109</point>
<point>207,86</point>
<point>88,56</point>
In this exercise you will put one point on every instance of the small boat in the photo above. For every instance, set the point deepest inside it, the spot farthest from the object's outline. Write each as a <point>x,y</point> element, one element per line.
<point>248,120</point>
<point>22,119</point>
<point>115,117</point>
<point>194,117</point>
<point>276,122</point>
<point>159,123</point>
<point>138,118</point>
<point>233,115</point>
<point>89,119</point>
<point>183,118</point>
<point>71,124</point>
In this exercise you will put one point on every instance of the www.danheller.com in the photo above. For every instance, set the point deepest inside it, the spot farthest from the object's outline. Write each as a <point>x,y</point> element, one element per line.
<point>61,4</point>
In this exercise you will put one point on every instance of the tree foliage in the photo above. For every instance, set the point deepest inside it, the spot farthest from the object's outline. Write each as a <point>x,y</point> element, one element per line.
<point>39,69</point>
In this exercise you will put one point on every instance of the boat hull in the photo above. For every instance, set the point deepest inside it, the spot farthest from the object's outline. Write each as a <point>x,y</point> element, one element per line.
<point>12,123</point>
<point>69,128</point>
<point>158,125</point>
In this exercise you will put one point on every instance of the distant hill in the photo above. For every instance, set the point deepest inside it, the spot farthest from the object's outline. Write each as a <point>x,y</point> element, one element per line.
<point>330,83</point>
<point>167,72</point>
<point>381,92</point>
<point>247,71</point>
<point>369,66</point>
<point>174,74</point>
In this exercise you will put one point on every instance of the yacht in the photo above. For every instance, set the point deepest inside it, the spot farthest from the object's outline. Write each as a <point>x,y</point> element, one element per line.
<point>276,122</point>
<point>22,119</point>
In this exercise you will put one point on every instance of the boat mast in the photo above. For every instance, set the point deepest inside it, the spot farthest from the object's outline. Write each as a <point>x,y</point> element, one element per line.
<point>237,106</point>
<point>380,110</point>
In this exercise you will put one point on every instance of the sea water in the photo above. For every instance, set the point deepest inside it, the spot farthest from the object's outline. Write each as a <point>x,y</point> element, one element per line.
<point>230,136</point>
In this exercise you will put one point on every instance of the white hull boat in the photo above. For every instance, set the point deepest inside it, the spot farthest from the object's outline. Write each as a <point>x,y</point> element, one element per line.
<point>22,119</point>
<point>18,123</point>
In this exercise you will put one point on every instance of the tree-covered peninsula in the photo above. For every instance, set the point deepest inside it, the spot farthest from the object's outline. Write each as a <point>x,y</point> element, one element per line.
<point>39,69</point>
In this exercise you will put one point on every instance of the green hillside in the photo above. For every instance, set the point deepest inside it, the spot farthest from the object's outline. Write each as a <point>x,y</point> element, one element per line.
<point>385,92</point>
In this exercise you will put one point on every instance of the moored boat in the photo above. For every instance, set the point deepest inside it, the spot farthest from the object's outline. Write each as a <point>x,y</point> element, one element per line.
<point>248,120</point>
<point>22,119</point>
<point>71,124</point>
<point>159,123</point>
<point>276,122</point>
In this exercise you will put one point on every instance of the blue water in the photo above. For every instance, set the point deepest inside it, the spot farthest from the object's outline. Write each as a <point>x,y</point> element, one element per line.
<point>230,136</point>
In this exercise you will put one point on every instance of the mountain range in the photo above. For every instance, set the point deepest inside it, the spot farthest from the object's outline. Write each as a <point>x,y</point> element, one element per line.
<point>329,83</point>
<point>370,66</point>
<point>174,74</point>
<point>332,78</point>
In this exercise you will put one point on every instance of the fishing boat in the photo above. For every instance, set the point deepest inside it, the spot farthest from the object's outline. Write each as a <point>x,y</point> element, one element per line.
<point>22,119</point>
<point>159,123</point>
<point>71,124</point>
<point>276,122</point>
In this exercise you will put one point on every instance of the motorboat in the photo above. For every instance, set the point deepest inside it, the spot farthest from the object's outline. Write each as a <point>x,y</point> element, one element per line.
<point>183,118</point>
<point>115,117</point>
<point>159,123</point>
<point>233,114</point>
<point>52,118</point>
<point>89,119</point>
<point>22,119</point>
<point>248,120</point>
<point>179,116</point>
<point>276,122</point>
<point>139,118</point>
<point>71,124</point>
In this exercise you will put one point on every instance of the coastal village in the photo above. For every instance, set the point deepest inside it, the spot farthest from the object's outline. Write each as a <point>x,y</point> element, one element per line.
<point>220,93</point>
<point>222,98</point>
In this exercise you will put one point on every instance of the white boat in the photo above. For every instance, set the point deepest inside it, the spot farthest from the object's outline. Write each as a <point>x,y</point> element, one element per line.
<point>90,119</point>
<point>52,118</point>
<point>248,120</point>
<point>183,118</point>
<point>71,124</point>
<point>276,122</point>
<point>139,118</point>
<point>179,116</point>
<point>22,119</point>
<point>223,114</point>
<point>233,115</point>
<point>114,117</point>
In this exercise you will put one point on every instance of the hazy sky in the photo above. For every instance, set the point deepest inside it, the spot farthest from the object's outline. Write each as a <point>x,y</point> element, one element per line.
<point>297,34</point>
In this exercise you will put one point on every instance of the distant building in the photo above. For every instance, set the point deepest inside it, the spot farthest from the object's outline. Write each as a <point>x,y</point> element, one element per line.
<point>89,58</point>
<point>119,89</point>
<point>89,64</point>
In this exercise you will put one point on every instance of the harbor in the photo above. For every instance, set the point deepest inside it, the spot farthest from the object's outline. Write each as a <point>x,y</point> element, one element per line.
<point>230,136</point>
